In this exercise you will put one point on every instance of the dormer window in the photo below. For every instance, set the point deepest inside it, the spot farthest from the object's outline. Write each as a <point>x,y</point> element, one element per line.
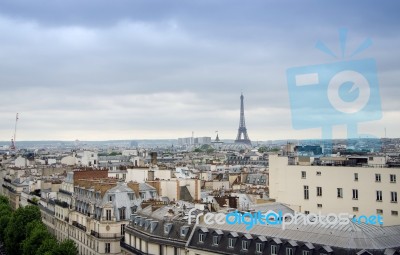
<point>259,247</point>
<point>216,240</point>
<point>122,213</point>
<point>245,245</point>
<point>167,228</point>
<point>231,242</point>
<point>147,224</point>
<point>137,220</point>
<point>142,221</point>
<point>184,230</point>
<point>108,214</point>
<point>201,237</point>
<point>153,225</point>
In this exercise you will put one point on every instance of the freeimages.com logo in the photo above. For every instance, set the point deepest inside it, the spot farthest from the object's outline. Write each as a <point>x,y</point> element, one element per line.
<point>340,93</point>
<point>250,219</point>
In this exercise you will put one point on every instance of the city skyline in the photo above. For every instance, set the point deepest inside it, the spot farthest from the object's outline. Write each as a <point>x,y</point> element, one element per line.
<point>132,71</point>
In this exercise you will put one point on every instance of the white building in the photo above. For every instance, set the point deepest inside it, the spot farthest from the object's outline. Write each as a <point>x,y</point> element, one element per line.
<point>21,162</point>
<point>68,160</point>
<point>337,189</point>
<point>87,158</point>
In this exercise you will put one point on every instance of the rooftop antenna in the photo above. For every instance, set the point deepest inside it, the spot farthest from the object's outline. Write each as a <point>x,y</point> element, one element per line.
<point>14,139</point>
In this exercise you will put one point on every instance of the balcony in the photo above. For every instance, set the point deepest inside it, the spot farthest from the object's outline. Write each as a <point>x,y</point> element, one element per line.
<point>9,188</point>
<point>61,203</point>
<point>65,192</point>
<point>80,226</point>
<point>131,249</point>
<point>105,235</point>
<point>45,209</point>
<point>33,202</point>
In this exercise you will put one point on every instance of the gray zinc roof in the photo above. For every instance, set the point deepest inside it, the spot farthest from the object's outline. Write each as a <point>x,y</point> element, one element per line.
<point>351,236</point>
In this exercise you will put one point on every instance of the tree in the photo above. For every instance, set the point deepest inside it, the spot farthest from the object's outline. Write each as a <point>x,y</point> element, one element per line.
<point>47,247</point>
<point>3,200</point>
<point>262,149</point>
<point>36,234</point>
<point>15,232</point>
<point>5,215</point>
<point>4,221</point>
<point>66,247</point>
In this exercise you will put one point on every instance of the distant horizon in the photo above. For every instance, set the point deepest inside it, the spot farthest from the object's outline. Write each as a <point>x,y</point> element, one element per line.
<point>176,139</point>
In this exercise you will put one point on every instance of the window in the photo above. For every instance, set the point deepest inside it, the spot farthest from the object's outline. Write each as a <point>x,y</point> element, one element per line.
<point>108,214</point>
<point>303,174</point>
<point>318,173</point>
<point>110,198</point>
<point>319,205</point>
<point>393,178</point>
<point>167,228</point>
<point>289,251</point>
<point>306,195</point>
<point>274,250</point>
<point>122,214</point>
<point>259,247</point>
<point>215,240</point>
<point>306,212</point>
<point>356,176</point>
<point>245,245</point>
<point>183,232</point>
<point>395,213</point>
<point>355,209</point>
<point>305,253</point>
<point>378,177</point>
<point>201,238</point>
<point>231,242</point>
<point>122,229</point>
<point>339,192</point>
<point>319,191</point>
<point>355,194</point>
<point>107,248</point>
<point>379,195</point>
<point>393,197</point>
<point>379,211</point>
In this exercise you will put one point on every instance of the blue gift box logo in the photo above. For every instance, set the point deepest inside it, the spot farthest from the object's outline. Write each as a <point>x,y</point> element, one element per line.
<point>340,93</point>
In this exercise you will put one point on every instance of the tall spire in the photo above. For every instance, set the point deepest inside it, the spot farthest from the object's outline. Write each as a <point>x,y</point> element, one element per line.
<point>242,136</point>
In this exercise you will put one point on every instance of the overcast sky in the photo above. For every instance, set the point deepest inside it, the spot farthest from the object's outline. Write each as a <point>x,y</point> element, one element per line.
<point>100,69</point>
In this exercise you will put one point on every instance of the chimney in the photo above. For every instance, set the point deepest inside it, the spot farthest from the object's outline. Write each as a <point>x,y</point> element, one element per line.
<point>150,176</point>
<point>153,156</point>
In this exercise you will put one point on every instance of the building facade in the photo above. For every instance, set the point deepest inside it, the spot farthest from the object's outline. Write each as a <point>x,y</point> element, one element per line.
<point>327,189</point>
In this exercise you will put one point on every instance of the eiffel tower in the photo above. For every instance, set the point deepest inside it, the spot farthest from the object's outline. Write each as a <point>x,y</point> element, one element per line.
<point>242,131</point>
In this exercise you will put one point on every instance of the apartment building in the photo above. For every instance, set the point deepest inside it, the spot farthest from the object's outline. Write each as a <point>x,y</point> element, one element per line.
<point>94,212</point>
<point>337,185</point>
<point>157,230</point>
<point>12,188</point>
<point>101,212</point>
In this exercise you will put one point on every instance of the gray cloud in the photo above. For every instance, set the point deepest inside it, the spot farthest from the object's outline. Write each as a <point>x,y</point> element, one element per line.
<point>99,70</point>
